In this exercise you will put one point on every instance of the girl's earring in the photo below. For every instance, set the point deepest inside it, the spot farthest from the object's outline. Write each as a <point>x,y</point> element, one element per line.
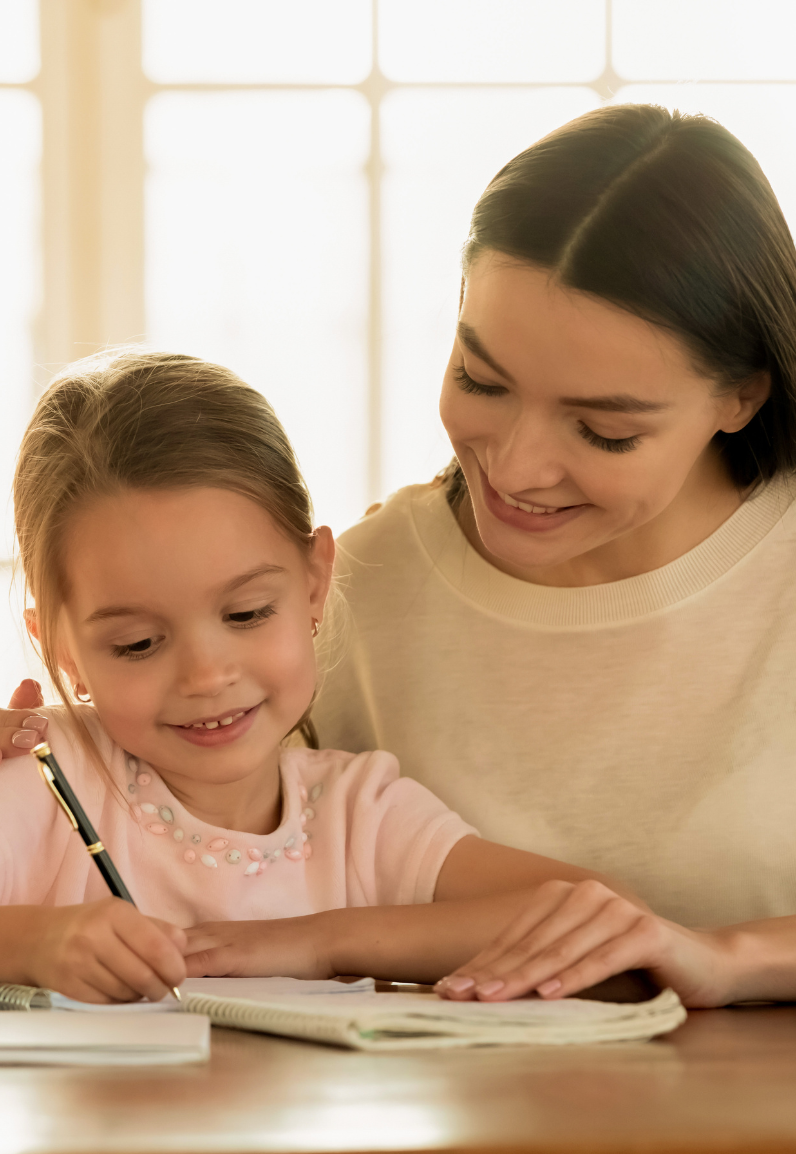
<point>76,689</point>
<point>315,627</point>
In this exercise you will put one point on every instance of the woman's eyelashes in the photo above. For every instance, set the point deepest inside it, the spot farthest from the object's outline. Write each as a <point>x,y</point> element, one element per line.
<point>468,385</point>
<point>608,444</point>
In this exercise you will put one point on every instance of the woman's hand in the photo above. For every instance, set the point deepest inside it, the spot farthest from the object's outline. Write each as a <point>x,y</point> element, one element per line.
<point>20,726</point>
<point>104,951</point>
<point>572,936</point>
<point>284,947</point>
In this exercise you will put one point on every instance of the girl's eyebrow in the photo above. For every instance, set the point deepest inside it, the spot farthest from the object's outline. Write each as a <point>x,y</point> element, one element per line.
<point>245,578</point>
<point>109,611</point>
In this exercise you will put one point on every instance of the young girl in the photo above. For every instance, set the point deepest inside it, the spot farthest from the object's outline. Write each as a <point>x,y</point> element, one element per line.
<point>165,534</point>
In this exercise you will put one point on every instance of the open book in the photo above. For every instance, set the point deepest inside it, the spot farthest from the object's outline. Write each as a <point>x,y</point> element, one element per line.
<point>362,1019</point>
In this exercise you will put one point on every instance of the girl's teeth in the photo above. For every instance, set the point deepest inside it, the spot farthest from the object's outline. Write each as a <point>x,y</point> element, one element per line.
<point>215,724</point>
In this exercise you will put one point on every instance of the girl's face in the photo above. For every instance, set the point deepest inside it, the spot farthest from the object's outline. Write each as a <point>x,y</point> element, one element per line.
<point>583,431</point>
<point>189,621</point>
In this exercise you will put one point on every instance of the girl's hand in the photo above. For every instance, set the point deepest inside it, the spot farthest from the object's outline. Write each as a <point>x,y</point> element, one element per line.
<point>572,936</point>
<point>104,951</point>
<point>20,727</point>
<point>284,947</point>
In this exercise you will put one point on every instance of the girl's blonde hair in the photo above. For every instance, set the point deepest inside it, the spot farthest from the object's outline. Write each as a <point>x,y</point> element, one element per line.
<point>131,419</point>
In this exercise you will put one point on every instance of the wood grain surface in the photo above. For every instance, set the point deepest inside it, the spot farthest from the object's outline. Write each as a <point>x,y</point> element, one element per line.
<point>724,1082</point>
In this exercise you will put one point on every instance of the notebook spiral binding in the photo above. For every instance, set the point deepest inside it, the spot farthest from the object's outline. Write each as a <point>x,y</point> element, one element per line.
<point>16,997</point>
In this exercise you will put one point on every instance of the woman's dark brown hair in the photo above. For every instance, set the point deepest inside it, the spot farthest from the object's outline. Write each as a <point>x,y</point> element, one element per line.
<point>671,218</point>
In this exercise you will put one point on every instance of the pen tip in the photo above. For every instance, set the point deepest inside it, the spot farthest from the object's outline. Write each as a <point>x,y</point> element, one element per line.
<point>176,993</point>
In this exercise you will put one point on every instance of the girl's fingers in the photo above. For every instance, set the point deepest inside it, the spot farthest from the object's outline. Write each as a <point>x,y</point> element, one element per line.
<point>126,976</point>
<point>107,985</point>
<point>152,960</point>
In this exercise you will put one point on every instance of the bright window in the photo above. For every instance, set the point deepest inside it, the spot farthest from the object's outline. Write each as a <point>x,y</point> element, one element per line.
<point>285,187</point>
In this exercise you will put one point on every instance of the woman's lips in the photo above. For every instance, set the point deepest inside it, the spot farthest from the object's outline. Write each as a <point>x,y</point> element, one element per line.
<point>223,734</point>
<point>521,519</point>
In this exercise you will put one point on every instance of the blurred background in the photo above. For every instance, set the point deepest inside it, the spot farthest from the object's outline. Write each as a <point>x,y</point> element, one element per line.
<point>284,186</point>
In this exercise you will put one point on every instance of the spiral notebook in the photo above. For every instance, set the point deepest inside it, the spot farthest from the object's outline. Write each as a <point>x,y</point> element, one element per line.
<point>362,1019</point>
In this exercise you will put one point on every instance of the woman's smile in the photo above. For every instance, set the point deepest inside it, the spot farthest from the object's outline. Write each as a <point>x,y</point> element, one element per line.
<point>529,518</point>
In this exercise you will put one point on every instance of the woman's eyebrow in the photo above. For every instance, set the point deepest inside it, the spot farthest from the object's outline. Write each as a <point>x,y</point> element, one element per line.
<point>471,340</point>
<point>618,403</point>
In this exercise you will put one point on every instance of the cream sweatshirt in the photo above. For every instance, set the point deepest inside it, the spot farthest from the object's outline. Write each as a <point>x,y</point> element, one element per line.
<point>645,728</point>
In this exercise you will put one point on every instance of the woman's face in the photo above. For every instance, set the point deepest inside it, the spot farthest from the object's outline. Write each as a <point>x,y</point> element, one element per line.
<point>582,430</point>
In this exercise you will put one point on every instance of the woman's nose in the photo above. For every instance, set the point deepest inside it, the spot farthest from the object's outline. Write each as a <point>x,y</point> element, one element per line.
<point>526,456</point>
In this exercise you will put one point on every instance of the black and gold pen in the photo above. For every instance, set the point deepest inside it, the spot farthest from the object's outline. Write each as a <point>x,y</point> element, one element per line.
<point>53,775</point>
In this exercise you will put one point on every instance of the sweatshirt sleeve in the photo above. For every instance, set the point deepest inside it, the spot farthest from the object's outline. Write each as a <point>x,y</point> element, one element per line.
<point>398,834</point>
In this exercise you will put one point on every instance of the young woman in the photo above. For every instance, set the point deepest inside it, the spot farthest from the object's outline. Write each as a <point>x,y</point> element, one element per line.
<point>583,636</point>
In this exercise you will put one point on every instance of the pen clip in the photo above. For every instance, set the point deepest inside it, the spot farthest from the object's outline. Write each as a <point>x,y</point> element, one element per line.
<point>47,775</point>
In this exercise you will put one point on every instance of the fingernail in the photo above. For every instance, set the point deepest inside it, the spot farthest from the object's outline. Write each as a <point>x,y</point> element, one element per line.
<point>548,988</point>
<point>35,722</point>
<point>458,985</point>
<point>25,739</point>
<point>489,988</point>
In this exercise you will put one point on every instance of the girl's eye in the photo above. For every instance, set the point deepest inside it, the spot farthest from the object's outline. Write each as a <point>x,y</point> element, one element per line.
<point>608,444</point>
<point>136,650</point>
<point>468,385</point>
<point>250,617</point>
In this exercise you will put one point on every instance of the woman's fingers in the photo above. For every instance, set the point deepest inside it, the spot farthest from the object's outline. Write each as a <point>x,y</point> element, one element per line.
<point>515,975</point>
<point>556,931</point>
<point>20,730</point>
<point>27,695</point>
<point>637,948</point>
<point>20,727</point>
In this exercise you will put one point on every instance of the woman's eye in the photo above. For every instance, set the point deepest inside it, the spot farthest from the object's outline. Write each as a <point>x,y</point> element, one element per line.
<point>250,617</point>
<point>136,649</point>
<point>608,444</point>
<point>468,385</point>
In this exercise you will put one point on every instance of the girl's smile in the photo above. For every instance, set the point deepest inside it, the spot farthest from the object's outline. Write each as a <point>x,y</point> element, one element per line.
<point>211,732</point>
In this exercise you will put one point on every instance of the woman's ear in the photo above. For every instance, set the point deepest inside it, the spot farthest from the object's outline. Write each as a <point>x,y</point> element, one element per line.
<point>746,401</point>
<point>321,568</point>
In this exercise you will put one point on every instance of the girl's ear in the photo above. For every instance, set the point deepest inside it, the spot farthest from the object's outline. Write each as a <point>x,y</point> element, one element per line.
<point>321,568</point>
<point>31,623</point>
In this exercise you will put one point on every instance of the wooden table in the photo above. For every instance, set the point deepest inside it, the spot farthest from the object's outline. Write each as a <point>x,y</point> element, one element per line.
<point>725,1081</point>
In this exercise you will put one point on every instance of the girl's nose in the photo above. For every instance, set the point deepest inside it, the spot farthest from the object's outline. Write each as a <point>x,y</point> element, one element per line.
<point>205,673</point>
